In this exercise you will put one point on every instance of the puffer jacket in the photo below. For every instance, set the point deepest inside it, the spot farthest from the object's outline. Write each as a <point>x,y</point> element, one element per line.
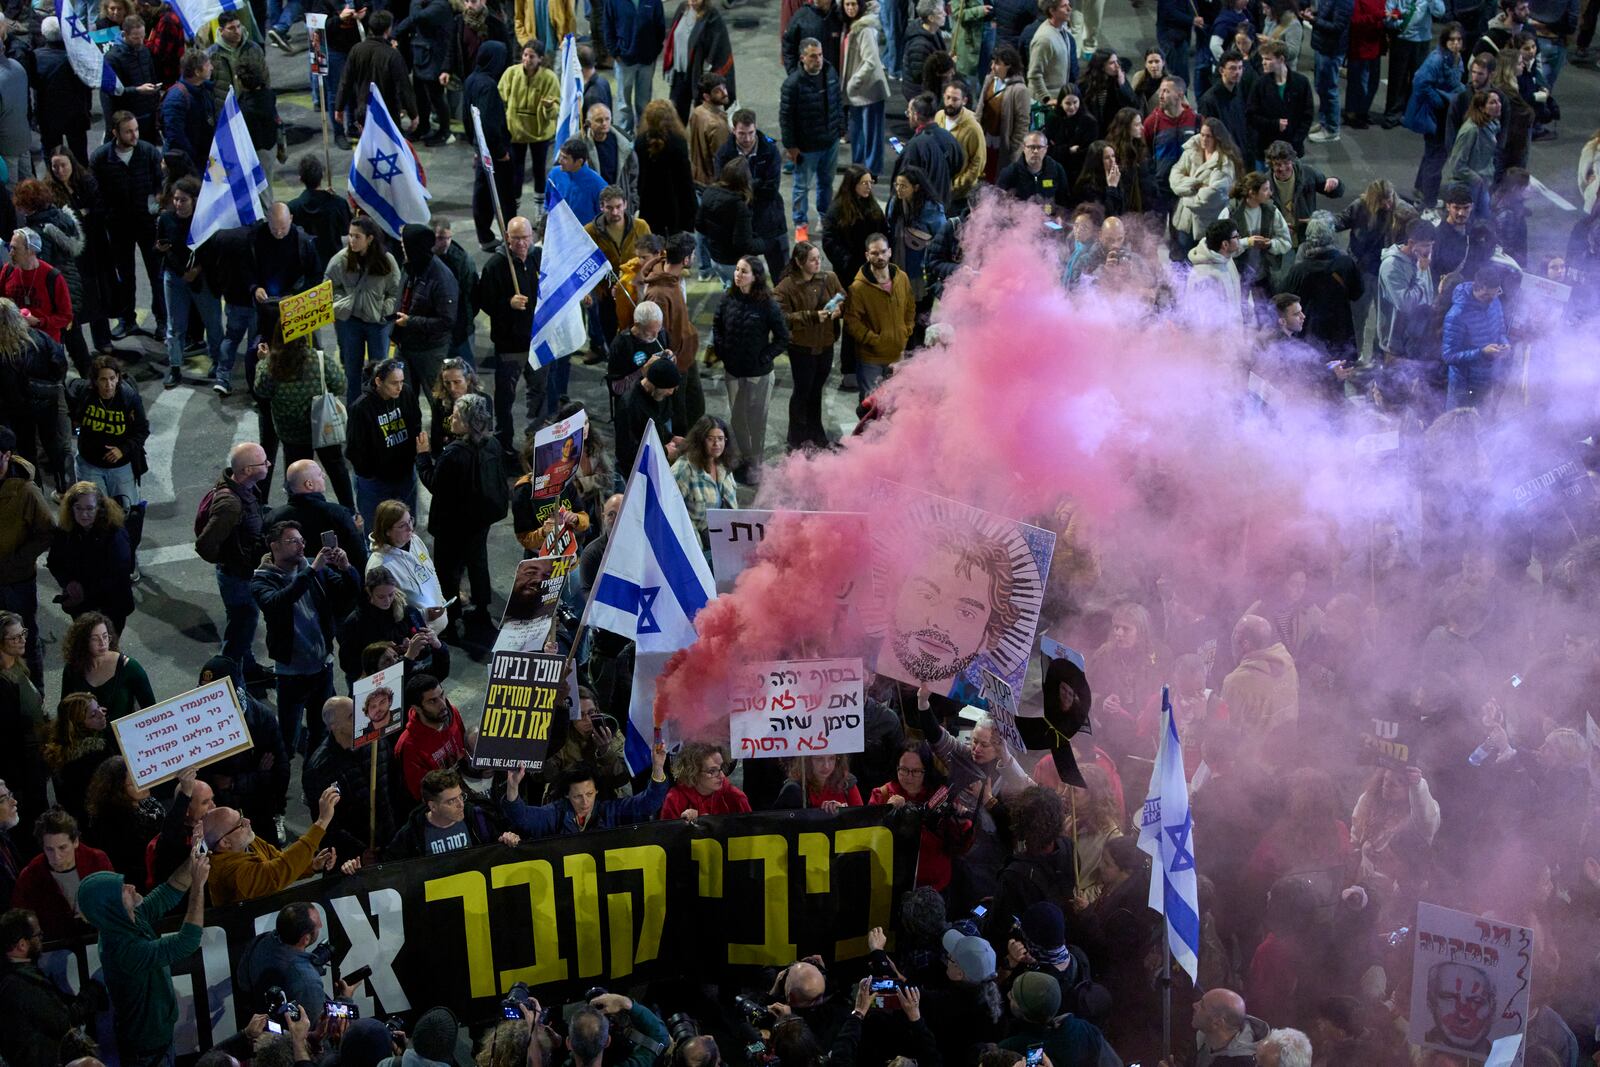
<point>428,294</point>
<point>136,961</point>
<point>359,295</point>
<point>1469,326</point>
<point>1202,188</point>
<point>1330,30</point>
<point>99,560</point>
<point>290,402</point>
<point>533,105</point>
<point>1436,83</point>
<point>63,239</point>
<point>920,43</point>
<point>865,81</point>
<point>723,219</point>
<point>811,109</point>
<point>635,30</point>
<point>749,333</point>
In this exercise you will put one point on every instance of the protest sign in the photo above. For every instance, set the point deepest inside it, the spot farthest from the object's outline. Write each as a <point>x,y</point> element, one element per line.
<point>518,710</point>
<point>556,451</point>
<point>380,705</point>
<point>797,708</point>
<point>302,313</point>
<point>736,535</point>
<point>317,43</point>
<point>691,902</point>
<point>1469,981</point>
<point>1001,700</point>
<point>529,619</point>
<point>1385,740</point>
<point>955,590</point>
<point>192,729</point>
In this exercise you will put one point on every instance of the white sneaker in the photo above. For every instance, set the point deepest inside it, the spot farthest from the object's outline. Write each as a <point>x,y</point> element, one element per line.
<point>1323,137</point>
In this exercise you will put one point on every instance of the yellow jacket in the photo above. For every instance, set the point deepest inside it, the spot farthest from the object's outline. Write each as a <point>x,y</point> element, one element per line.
<point>261,869</point>
<point>533,105</point>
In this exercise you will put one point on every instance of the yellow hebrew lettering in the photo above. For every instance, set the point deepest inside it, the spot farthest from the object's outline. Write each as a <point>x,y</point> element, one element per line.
<point>651,862</point>
<point>468,885</point>
<point>707,853</point>
<point>772,850</point>
<point>814,851</point>
<point>580,871</point>
<point>547,965</point>
<point>878,843</point>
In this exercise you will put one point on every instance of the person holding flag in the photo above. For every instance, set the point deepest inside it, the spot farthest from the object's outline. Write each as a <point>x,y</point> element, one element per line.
<point>234,180</point>
<point>652,582</point>
<point>532,106</point>
<point>61,83</point>
<point>186,279</point>
<point>384,178</point>
<point>1166,833</point>
<point>494,194</point>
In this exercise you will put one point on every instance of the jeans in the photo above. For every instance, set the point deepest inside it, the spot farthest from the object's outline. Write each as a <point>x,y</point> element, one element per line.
<point>23,598</point>
<point>330,87</point>
<point>1363,86</point>
<point>239,636</point>
<point>635,89</point>
<point>894,32</point>
<point>360,344</point>
<point>747,415</point>
<point>868,376</point>
<point>866,136</point>
<point>300,700</point>
<point>239,330</point>
<point>281,14</point>
<point>1430,170</point>
<point>556,383</point>
<point>510,368</point>
<point>1328,91</point>
<point>810,370</point>
<point>370,492</point>
<point>814,167</point>
<point>1552,57</point>
<point>180,298</point>
<point>115,482</point>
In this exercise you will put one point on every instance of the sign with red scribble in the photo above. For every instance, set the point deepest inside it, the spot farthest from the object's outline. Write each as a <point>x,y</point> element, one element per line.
<point>193,729</point>
<point>1470,980</point>
<point>805,707</point>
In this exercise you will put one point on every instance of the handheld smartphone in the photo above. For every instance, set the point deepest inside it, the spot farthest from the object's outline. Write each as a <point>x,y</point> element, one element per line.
<point>1035,1057</point>
<point>979,911</point>
<point>330,539</point>
<point>339,1010</point>
<point>357,976</point>
<point>273,1028</point>
<point>886,994</point>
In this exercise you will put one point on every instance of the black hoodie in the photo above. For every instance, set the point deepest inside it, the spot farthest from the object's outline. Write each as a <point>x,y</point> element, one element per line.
<point>483,92</point>
<point>382,440</point>
<point>428,296</point>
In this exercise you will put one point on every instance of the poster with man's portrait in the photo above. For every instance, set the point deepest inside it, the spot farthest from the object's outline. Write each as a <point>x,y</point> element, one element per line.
<point>557,449</point>
<point>1470,981</point>
<point>380,707</point>
<point>956,590</point>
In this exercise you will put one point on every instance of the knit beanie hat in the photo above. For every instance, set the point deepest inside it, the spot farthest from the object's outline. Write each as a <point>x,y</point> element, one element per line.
<point>1037,996</point>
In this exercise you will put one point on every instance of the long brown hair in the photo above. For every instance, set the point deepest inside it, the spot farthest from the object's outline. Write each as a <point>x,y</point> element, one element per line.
<point>108,516</point>
<point>659,125</point>
<point>70,737</point>
<point>288,361</point>
<point>376,261</point>
<point>75,645</point>
<point>108,789</point>
<point>848,209</point>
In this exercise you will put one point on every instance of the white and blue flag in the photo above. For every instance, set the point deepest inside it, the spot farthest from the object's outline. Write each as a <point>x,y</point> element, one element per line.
<point>196,14</point>
<point>1166,832</point>
<point>570,121</point>
<point>570,265</point>
<point>384,177</point>
<point>88,62</point>
<point>235,181</point>
<point>652,583</point>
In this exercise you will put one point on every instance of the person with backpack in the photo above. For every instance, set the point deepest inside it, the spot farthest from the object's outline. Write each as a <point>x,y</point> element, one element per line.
<point>471,493</point>
<point>37,288</point>
<point>228,534</point>
<point>381,442</point>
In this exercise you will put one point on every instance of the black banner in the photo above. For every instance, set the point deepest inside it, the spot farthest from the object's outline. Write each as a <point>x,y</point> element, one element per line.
<point>518,709</point>
<point>613,908</point>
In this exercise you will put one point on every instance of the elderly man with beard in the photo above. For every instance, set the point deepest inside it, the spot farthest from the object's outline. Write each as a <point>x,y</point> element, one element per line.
<point>246,867</point>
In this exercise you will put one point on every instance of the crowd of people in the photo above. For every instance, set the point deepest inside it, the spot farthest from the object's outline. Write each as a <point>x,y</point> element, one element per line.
<point>1177,181</point>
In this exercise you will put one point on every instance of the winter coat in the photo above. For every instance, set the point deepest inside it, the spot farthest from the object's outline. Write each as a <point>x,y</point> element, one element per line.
<point>225,65</point>
<point>811,109</point>
<point>99,560</point>
<point>533,105</point>
<point>557,818</point>
<point>1003,138</point>
<point>429,23</point>
<point>969,135</point>
<point>920,43</point>
<point>133,66</point>
<point>1472,157</point>
<point>375,61</point>
<point>801,302</point>
<point>1309,183</point>
<point>825,27</point>
<point>1201,186</point>
<point>268,962</point>
<point>880,323</point>
<point>1469,326</point>
<point>1369,236</point>
<point>1266,105</point>
<point>665,290</point>
<point>969,21</point>
<point>938,155</point>
<point>428,298</point>
<point>26,523</point>
<point>37,891</point>
<point>188,120</point>
<point>710,50</point>
<point>627,176</point>
<point>464,54</point>
<point>1405,305</point>
<point>325,218</point>
<point>39,1013</point>
<point>1213,276</point>
<point>277,591</point>
<point>361,296</point>
<point>382,435</point>
<point>290,401</point>
<point>749,333</point>
<point>412,840</point>
<point>125,188</point>
<point>1227,106</point>
<point>482,91</point>
<point>509,329</point>
<point>63,242</point>
<point>846,246</point>
<point>1367,31</point>
<point>1263,691</point>
<point>723,219</point>
<point>1435,84</point>
<point>350,769</point>
<point>666,185</point>
<point>317,515</point>
<point>454,477</point>
<point>136,963</point>
<point>58,91</point>
<point>1329,283</point>
<point>909,238</point>
<point>232,532</point>
<point>635,30</point>
<point>865,80</point>
<point>1330,28</point>
<point>367,625</point>
<point>766,172</point>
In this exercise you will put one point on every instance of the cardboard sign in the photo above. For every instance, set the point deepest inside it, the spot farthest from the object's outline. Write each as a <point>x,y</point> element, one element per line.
<point>302,313</point>
<point>380,704</point>
<point>529,620</point>
<point>518,710</point>
<point>193,729</point>
<point>1469,982</point>
<point>736,535</point>
<point>1001,700</point>
<point>317,44</point>
<point>798,708</point>
<point>556,451</point>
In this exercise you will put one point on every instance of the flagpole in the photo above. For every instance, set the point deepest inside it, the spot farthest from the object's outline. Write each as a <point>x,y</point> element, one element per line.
<point>486,165</point>
<point>327,105</point>
<point>1166,947</point>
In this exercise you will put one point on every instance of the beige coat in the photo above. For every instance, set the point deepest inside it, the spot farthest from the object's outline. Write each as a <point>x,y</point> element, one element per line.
<point>1201,186</point>
<point>864,79</point>
<point>1263,691</point>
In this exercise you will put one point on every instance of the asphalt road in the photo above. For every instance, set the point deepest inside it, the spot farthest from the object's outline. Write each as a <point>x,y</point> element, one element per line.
<point>178,619</point>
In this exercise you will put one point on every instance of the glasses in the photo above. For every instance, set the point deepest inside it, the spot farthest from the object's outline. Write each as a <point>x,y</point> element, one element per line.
<point>293,541</point>
<point>253,466</point>
<point>236,827</point>
<point>7,795</point>
<point>913,772</point>
<point>712,772</point>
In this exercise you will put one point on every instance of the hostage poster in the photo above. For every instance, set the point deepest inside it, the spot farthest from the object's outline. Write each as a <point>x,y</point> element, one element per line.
<point>1469,981</point>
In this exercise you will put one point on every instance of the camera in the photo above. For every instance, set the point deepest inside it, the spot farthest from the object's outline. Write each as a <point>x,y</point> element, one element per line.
<point>511,1003</point>
<point>759,1054</point>
<point>754,1011</point>
<point>321,955</point>
<point>682,1027</point>
<point>278,1005</point>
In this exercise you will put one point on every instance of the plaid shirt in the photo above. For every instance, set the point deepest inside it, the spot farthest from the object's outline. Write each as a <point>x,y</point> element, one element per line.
<point>701,492</point>
<point>166,42</point>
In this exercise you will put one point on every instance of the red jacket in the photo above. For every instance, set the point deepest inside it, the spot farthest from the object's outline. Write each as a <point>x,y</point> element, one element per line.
<point>42,291</point>
<point>728,800</point>
<point>37,891</point>
<point>1366,30</point>
<point>420,748</point>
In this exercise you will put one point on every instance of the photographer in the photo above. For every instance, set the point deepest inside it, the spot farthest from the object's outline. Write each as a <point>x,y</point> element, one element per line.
<point>801,989</point>
<point>291,957</point>
<point>589,1032</point>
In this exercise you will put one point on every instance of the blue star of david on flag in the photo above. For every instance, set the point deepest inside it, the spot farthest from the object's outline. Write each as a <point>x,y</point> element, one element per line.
<point>1182,857</point>
<point>647,605</point>
<point>382,160</point>
<point>1166,834</point>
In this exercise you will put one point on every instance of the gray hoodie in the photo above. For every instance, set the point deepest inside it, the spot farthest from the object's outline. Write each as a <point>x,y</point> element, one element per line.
<point>1405,303</point>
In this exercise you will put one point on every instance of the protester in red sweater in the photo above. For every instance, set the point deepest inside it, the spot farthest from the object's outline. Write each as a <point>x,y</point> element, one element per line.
<point>915,780</point>
<point>829,785</point>
<point>37,288</point>
<point>700,767</point>
<point>48,885</point>
<point>434,737</point>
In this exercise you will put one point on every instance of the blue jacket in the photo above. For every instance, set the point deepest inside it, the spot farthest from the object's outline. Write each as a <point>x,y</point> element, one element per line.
<point>1469,325</point>
<point>1437,82</point>
<point>542,820</point>
<point>189,119</point>
<point>579,188</point>
<point>635,30</point>
<point>1330,36</point>
<point>268,962</point>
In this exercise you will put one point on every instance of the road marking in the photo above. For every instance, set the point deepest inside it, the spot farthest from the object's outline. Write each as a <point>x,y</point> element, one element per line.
<point>1554,197</point>
<point>166,420</point>
<point>157,557</point>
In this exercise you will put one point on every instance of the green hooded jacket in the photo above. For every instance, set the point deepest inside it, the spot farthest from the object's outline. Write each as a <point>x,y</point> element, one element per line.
<point>137,961</point>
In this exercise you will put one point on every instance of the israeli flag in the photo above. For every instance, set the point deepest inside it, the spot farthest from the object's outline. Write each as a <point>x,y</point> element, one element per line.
<point>235,182</point>
<point>88,62</point>
<point>570,122</point>
<point>570,265</point>
<point>197,14</point>
<point>1166,832</point>
<point>384,179</point>
<point>653,581</point>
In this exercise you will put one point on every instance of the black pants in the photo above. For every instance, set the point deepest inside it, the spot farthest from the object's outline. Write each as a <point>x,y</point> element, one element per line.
<point>681,93</point>
<point>332,463</point>
<point>483,207</point>
<point>463,550</point>
<point>140,235</point>
<point>511,367</point>
<point>530,165</point>
<point>1591,12</point>
<point>1404,59</point>
<point>811,368</point>
<point>430,105</point>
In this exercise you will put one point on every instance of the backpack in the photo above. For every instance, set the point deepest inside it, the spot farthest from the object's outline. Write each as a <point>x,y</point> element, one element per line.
<point>202,516</point>
<point>492,493</point>
<point>50,277</point>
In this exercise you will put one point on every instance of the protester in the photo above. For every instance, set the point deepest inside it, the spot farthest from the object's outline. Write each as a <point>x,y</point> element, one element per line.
<point>577,807</point>
<point>468,483</point>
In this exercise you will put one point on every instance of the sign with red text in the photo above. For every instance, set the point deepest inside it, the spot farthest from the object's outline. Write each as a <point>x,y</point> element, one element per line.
<point>1469,982</point>
<point>191,730</point>
<point>804,707</point>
